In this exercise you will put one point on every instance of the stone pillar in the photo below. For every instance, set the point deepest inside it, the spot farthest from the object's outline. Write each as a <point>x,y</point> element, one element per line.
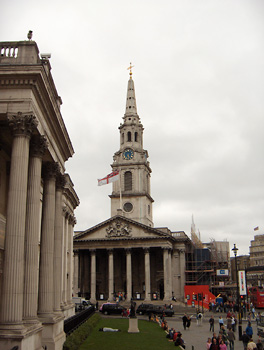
<point>110,274</point>
<point>30,306</point>
<point>176,274</point>
<point>76,288</point>
<point>170,275</point>
<point>64,256</point>
<point>147,275</point>
<point>46,270</point>
<point>182,272</point>
<point>71,223</point>
<point>129,274</point>
<point>167,273</point>
<point>93,275</point>
<point>13,275</point>
<point>58,244</point>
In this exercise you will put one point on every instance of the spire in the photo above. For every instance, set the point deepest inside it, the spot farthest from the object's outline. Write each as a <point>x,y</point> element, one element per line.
<point>131,105</point>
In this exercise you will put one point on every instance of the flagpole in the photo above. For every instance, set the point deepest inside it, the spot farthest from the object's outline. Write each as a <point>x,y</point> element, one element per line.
<point>120,193</point>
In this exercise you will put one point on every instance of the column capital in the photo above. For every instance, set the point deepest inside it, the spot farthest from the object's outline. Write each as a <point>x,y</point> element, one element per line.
<point>60,181</point>
<point>128,250</point>
<point>72,220</point>
<point>92,251</point>
<point>38,145</point>
<point>22,123</point>
<point>146,250</point>
<point>51,169</point>
<point>166,248</point>
<point>110,250</point>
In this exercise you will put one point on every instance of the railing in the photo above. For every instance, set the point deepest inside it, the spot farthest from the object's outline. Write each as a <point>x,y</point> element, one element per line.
<point>75,321</point>
<point>9,50</point>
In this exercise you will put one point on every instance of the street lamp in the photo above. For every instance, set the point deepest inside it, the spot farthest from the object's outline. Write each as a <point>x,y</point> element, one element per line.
<point>235,249</point>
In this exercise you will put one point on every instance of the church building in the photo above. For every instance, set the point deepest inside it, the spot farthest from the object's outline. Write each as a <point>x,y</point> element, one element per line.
<point>126,255</point>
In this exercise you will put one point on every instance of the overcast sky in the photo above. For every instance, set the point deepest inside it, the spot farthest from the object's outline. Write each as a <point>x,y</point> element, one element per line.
<point>199,69</point>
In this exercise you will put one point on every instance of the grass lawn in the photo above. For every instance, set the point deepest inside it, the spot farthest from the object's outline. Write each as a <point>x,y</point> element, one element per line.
<point>150,337</point>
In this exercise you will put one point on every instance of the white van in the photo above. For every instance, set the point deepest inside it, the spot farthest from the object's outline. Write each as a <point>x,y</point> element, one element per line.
<point>80,303</point>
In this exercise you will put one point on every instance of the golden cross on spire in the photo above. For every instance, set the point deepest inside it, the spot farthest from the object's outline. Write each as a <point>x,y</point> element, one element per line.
<point>130,67</point>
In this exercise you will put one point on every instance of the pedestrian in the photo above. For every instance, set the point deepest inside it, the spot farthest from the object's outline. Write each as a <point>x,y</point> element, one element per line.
<point>214,337</point>
<point>214,345</point>
<point>179,341</point>
<point>253,312</point>
<point>259,345</point>
<point>258,318</point>
<point>211,322</point>
<point>184,321</point>
<point>249,330</point>
<point>222,345</point>
<point>251,345</point>
<point>245,339</point>
<point>231,338</point>
<point>189,319</point>
<point>208,344</point>
<point>199,318</point>
<point>233,324</point>
<point>221,322</point>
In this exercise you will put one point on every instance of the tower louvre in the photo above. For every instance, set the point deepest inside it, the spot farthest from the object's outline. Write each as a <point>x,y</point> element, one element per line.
<point>131,194</point>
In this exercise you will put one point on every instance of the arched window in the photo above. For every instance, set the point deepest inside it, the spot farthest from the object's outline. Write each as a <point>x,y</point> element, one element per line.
<point>128,181</point>
<point>122,138</point>
<point>136,136</point>
<point>129,136</point>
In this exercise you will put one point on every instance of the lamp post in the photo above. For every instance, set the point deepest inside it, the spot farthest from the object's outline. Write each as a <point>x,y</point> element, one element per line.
<point>235,249</point>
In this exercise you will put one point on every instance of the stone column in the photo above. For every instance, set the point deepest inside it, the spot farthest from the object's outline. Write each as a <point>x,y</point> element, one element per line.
<point>76,273</point>
<point>176,274</point>
<point>32,236</point>
<point>46,269</point>
<point>182,270</point>
<point>129,274</point>
<point>167,271</point>
<point>170,275</point>
<point>72,222</point>
<point>110,274</point>
<point>64,256</point>
<point>147,275</point>
<point>93,275</point>
<point>58,244</point>
<point>13,275</point>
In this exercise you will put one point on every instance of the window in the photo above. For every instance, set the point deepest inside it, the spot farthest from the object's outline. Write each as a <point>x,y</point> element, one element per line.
<point>122,138</point>
<point>129,136</point>
<point>128,207</point>
<point>128,181</point>
<point>136,136</point>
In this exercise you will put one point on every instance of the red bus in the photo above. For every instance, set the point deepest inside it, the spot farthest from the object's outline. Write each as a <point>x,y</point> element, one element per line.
<point>256,296</point>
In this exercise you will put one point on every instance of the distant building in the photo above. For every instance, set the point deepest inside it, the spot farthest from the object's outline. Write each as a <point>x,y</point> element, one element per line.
<point>208,263</point>
<point>255,271</point>
<point>37,202</point>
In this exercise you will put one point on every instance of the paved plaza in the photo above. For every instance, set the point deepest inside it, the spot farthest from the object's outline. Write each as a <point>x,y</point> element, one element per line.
<point>196,337</point>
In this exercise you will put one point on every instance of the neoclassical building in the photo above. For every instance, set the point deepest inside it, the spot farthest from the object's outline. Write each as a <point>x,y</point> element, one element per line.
<point>126,254</point>
<point>37,203</point>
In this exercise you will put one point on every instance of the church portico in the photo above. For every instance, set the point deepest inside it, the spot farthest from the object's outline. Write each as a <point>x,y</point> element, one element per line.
<point>134,267</point>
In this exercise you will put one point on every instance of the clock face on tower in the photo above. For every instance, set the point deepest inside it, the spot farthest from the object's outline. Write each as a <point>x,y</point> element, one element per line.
<point>128,154</point>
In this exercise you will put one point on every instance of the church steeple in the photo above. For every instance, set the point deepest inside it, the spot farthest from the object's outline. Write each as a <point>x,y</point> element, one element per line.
<point>131,105</point>
<point>131,160</point>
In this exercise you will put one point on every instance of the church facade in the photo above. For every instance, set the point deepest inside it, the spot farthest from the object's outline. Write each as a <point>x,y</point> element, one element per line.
<point>125,255</point>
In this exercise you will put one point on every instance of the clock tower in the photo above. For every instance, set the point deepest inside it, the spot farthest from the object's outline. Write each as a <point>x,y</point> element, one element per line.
<point>131,194</point>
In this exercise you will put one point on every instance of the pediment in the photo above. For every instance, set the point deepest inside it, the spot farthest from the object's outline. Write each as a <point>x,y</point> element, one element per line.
<point>118,228</point>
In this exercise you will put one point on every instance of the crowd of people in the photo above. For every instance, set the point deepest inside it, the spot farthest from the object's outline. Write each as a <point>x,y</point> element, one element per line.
<point>226,336</point>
